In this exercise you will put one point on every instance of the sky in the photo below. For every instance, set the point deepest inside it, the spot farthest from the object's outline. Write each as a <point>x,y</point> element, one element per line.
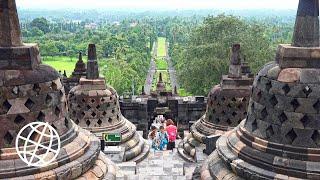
<point>158,4</point>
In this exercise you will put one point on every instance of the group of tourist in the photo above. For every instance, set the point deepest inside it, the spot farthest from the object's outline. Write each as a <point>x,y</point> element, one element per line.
<point>163,137</point>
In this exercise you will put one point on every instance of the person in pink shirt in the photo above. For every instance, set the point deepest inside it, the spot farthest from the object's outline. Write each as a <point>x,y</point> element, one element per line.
<point>172,133</point>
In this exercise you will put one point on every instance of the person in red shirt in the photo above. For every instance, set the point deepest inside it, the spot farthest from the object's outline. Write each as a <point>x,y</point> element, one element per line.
<point>172,133</point>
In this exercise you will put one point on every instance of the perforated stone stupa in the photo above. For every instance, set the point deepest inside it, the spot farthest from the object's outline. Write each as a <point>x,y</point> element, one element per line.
<point>226,107</point>
<point>280,138</point>
<point>32,92</point>
<point>80,71</point>
<point>95,106</point>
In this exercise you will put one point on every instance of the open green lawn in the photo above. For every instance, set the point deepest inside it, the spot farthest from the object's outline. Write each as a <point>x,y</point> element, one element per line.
<point>61,63</point>
<point>161,64</point>
<point>161,46</point>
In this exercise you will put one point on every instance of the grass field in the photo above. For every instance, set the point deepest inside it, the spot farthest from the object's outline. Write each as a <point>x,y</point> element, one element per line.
<point>161,64</point>
<point>161,47</point>
<point>61,63</point>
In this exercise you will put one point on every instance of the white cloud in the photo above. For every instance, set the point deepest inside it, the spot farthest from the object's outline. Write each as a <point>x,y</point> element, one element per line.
<point>160,4</point>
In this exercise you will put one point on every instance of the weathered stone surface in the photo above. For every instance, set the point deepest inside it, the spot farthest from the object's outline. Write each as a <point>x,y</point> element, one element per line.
<point>226,106</point>
<point>33,93</point>
<point>281,127</point>
<point>10,34</point>
<point>290,75</point>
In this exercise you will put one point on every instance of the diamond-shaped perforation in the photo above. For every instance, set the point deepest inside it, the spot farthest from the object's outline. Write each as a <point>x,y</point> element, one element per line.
<point>41,117</point>
<point>223,98</point>
<point>213,111</point>
<point>295,104</point>
<point>88,107</point>
<point>305,120</point>
<point>77,121</point>
<point>259,95</point>
<point>234,99</point>
<point>110,120</point>
<point>93,101</point>
<point>99,122</point>
<point>19,119</point>
<point>316,137</point>
<point>316,106</point>
<point>113,111</point>
<point>29,104</point>
<point>229,106</point>
<point>223,113</point>
<point>36,88</point>
<point>307,91</point>
<point>57,111</point>
<point>93,114</point>
<point>283,117</point>
<point>104,113</point>
<point>6,106</point>
<point>264,113</point>
<point>244,99</point>
<point>286,89</point>
<point>48,99</point>
<point>268,86</point>
<point>98,106</point>
<point>291,136</point>
<point>254,125</point>
<point>269,132</point>
<point>229,121</point>
<point>8,138</point>
<point>66,122</point>
<point>234,114</point>
<point>273,100</point>
<point>54,86</point>
<point>217,120</point>
<point>88,123</point>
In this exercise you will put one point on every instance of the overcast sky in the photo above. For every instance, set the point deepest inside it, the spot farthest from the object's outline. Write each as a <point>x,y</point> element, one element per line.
<point>158,4</point>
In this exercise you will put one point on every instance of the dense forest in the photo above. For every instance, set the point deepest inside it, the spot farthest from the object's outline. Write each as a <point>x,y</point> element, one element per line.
<point>199,42</point>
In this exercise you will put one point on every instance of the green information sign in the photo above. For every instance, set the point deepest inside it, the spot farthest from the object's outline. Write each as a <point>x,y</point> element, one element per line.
<point>112,137</point>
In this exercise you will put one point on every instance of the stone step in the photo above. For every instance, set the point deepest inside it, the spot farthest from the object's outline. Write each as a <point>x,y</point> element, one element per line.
<point>144,177</point>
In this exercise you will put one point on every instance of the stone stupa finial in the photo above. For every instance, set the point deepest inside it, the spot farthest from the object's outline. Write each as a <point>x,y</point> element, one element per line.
<point>80,57</point>
<point>160,77</point>
<point>235,61</point>
<point>10,33</point>
<point>92,65</point>
<point>306,31</point>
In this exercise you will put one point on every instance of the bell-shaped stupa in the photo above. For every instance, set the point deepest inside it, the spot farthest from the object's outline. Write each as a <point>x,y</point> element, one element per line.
<point>226,108</point>
<point>280,139</point>
<point>32,92</point>
<point>95,106</point>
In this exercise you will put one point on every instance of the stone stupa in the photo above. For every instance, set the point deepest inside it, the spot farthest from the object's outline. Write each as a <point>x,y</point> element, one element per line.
<point>95,106</point>
<point>80,71</point>
<point>280,139</point>
<point>32,92</point>
<point>226,107</point>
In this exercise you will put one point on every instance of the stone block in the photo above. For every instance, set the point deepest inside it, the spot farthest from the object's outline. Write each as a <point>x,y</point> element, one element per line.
<point>298,57</point>
<point>25,57</point>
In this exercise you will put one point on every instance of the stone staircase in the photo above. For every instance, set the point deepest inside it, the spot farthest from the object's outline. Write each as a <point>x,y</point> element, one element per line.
<point>166,165</point>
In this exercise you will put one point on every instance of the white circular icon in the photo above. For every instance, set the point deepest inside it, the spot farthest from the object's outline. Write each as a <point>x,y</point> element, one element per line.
<point>38,144</point>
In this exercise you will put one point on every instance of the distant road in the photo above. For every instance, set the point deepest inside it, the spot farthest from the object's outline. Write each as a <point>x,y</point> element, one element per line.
<point>172,71</point>
<point>152,70</point>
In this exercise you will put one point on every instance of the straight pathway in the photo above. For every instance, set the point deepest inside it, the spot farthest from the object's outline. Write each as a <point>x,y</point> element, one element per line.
<point>151,71</point>
<point>172,71</point>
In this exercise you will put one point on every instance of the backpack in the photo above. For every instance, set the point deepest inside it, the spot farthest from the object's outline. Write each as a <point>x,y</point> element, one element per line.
<point>172,133</point>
